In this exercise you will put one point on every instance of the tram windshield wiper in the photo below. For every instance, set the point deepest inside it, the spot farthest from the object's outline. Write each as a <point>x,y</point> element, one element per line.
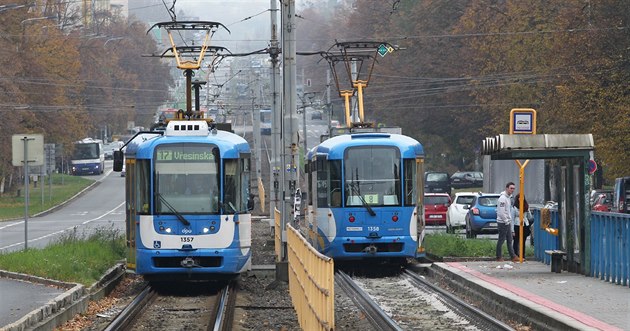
<point>180,217</point>
<point>353,186</point>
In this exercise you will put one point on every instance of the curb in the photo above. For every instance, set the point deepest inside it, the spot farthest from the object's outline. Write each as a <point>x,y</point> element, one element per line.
<point>65,306</point>
<point>500,302</point>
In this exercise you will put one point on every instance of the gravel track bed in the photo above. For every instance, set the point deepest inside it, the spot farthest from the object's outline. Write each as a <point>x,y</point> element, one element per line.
<point>410,307</point>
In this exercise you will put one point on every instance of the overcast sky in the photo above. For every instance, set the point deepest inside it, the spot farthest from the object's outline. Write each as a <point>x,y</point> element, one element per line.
<point>248,21</point>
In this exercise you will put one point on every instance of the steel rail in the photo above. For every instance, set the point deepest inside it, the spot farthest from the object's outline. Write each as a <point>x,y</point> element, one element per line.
<point>377,317</point>
<point>224,308</point>
<point>457,305</point>
<point>125,318</point>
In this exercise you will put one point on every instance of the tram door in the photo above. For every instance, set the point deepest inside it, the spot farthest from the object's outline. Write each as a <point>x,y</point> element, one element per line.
<point>130,217</point>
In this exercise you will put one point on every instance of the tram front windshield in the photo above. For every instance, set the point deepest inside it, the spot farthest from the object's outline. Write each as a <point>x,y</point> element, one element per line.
<point>187,178</point>
<point>372,176</point>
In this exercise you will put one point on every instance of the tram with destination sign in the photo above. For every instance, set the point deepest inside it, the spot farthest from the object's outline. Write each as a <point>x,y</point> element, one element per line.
<point>365,197</point>
<point>188,201</point>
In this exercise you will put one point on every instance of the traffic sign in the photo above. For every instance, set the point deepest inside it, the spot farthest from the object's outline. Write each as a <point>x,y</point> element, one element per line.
<point>592,166</point>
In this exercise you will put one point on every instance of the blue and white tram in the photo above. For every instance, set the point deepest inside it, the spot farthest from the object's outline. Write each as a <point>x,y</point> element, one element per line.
<point>188,202</point>
<point>365,197</point>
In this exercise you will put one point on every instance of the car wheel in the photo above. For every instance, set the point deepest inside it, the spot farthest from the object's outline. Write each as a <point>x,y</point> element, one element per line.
<point>468,229</point>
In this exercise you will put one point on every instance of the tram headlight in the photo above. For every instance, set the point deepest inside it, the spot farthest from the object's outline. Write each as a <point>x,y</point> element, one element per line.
<point>206,230</point>
<point>168,230</point>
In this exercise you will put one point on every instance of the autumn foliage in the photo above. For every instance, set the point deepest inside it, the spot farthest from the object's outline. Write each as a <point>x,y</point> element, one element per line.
<point>462,65</point>
<point>69,79</point>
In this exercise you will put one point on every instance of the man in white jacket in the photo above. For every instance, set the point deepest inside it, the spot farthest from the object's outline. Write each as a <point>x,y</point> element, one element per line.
<point>504,222</point>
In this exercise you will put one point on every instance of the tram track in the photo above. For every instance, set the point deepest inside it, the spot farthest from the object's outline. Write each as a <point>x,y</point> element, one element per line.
<point>407,301</point>
<point>196,305</point>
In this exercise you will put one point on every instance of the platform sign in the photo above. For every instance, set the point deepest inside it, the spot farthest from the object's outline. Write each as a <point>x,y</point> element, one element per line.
<point>34,146</point>
<point>523,121</point>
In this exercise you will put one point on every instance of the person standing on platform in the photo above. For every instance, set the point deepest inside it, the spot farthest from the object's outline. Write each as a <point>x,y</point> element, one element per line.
<point>517,224</point>
<point>504,222</point>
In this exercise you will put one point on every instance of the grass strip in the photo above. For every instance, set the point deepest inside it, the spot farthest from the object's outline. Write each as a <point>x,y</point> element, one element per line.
<point>77,258</point>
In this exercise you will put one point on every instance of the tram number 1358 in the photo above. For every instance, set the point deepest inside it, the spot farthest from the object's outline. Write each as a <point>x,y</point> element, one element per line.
<point>186,239</point>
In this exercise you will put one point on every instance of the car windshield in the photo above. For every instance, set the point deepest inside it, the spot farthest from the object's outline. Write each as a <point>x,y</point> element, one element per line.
<point>488,201</point>
<point>437,177</point>
<point>436,200</point>
<point>465,200</point>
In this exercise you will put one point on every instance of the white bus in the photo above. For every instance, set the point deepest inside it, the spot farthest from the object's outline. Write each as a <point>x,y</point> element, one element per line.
<point>88,157</point>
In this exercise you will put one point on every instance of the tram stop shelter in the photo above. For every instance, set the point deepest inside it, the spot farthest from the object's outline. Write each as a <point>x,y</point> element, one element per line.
<point>568,155</point>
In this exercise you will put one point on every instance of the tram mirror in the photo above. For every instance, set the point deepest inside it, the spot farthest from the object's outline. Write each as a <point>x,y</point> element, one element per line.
<point>119,159</point>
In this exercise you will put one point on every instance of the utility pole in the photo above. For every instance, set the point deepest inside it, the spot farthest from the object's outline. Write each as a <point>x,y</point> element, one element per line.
<point>289,133</point>
<point>275,168</point>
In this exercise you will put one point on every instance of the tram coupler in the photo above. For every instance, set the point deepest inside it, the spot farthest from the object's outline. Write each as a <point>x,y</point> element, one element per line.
<point>188,262</point>
<point>370,249</point>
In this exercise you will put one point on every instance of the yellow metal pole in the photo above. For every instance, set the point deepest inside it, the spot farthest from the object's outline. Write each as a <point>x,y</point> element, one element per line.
<point>521,199</point>
<point>346,95</point>
<point>360,84</point>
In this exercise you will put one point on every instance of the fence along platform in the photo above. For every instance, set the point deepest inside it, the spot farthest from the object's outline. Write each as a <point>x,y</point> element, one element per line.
<point>311,283</point>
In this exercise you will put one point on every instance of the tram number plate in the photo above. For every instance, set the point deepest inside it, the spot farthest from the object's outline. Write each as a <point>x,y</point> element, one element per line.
<point>186,239</point>
<point>374,228</point>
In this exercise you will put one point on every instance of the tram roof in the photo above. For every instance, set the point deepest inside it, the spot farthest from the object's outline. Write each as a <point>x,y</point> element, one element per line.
<point>335,146</point>
<point>230,144</point>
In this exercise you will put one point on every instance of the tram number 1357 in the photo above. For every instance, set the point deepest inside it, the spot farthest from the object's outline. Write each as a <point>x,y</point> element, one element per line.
<point>186,239</point>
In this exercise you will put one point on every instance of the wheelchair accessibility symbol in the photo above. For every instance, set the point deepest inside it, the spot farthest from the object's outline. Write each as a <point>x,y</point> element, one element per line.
<point>157,244</point>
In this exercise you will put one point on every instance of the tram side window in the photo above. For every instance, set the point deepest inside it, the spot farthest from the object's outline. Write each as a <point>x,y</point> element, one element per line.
<point>143,186</point>
<point>322,183</point>
<point>245,183</point>
<point>410,181</point>
<point>236,189</point>
<point>335,183</point>
<point>308,169</point>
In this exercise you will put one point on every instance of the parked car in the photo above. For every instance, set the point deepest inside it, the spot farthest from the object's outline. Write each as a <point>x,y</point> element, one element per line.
<point>316,115</point>
<point>437,182</point>
<point>435,207</point>
<point>601,203</point>
<point>456,214</point>
<point>621,195</point>
<point>482,215</point>
<point>465,179</point>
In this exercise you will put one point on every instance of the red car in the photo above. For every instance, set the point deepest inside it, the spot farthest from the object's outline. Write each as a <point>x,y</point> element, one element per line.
<point>601,203</point>
<point>435,208</point>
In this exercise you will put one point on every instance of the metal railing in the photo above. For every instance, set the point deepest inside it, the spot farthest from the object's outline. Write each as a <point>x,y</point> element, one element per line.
<point>311,283</point>
<point>610,244</point>
<point>543,240</point>
<point>610,247</point>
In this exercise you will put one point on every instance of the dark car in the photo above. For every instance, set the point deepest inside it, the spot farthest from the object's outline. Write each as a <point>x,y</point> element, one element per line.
<point>467,179</point>
<point>482,215</point>
<point>437,182</point>
<point>621,195</point>
<point>316,115</point>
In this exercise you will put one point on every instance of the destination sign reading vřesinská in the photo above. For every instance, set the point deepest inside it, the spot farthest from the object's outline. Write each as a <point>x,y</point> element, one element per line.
<point>184,155</point>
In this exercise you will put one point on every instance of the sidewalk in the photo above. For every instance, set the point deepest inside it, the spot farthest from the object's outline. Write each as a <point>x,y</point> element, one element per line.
<point>532,294</point>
